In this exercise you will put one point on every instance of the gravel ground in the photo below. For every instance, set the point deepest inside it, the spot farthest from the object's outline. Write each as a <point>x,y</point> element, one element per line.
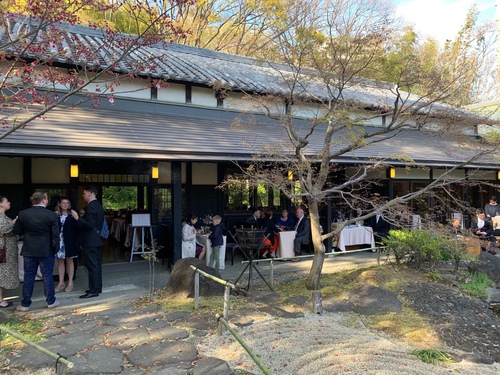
<point>333,343</point>
<point>338,343</point>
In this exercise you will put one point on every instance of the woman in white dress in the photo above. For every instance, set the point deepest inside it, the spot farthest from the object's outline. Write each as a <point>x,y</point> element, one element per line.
<point>189,237</point>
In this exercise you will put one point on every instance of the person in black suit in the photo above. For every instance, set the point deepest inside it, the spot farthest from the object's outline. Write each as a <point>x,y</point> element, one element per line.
<point>302,230</point>
<point>380,226</point>
<point>40,231</point>
<point>89,226</point>
<point>483,228</point>
<point>254,220</point>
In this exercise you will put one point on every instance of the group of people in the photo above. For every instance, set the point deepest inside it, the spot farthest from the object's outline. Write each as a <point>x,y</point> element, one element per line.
<point>263,218</point>
<point>49,235</point>
<point>482,224</point>
<point>192,247</point>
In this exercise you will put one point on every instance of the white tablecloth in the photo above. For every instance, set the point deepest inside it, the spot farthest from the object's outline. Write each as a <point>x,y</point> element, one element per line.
<point>352,235</point>
<point>118,229</point>
<point>208,245</point>
<point>285,249</point>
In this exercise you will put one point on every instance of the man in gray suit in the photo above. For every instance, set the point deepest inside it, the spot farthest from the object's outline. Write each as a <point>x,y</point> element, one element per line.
<point>40,230</point>
<point>89,226</point>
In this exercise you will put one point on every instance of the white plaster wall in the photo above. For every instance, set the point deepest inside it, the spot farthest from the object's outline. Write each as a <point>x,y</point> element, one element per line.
<point>203,97</point>
<point>11,170</point>
<point>130,89</point>
<point>50,171</point>
<point>457,173</point>
<point>165,172</point>
<point>204,174</point>
<point>174,93</point>
<point>482,175</point>
<point>412,174</point>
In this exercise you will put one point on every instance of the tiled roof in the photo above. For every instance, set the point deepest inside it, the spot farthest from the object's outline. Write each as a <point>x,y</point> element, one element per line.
<point>204,67</point>
<point>182,133</point>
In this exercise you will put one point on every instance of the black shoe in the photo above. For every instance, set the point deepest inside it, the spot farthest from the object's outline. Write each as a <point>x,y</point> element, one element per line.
<point>88,291</point>
<point>89,295</point>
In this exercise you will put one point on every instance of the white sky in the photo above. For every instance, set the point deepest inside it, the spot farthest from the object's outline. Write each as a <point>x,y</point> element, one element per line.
<point>441,19</point>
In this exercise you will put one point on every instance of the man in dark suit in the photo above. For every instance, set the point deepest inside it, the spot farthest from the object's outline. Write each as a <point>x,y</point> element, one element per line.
<point>254,220</point>
<point>302,232</point>
<point>89,225</point>
<point>380,226</point>
<point>483,228</point>
<point>40,230</point>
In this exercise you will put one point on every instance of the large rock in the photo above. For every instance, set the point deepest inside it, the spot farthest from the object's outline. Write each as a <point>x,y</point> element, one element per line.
<point>488,264</point>
<point>180,285</point>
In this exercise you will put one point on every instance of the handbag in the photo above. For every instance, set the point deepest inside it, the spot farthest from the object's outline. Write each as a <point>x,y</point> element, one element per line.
<point>3,251</point>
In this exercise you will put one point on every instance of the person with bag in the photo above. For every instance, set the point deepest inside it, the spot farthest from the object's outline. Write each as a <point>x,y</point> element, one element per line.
<point>9,269</point>
<point>40,229</point>
<point>89,226</point>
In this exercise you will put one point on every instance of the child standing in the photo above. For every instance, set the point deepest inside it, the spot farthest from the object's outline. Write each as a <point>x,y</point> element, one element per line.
<point>217,241</point>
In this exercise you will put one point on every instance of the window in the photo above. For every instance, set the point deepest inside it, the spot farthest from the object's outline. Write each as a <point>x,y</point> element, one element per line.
<point>119,197</point>
<point>237,196</point>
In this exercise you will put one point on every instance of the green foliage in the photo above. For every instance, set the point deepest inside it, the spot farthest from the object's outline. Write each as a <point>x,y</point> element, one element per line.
<point>434,275</point>
<point>433,356</point>
<point>477,286</point>
<point>421,246</point>
<point>29,328</point>
<point>118,197</point>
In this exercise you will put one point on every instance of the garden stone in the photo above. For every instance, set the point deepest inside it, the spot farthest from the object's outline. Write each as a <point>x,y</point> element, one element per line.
<point>493,295</point>
<point>478,358</point>
<point>488,264</point>
<point>180,284</point>
<point>211,366</point>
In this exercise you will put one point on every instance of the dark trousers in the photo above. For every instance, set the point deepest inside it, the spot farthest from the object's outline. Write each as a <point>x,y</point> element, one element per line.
<point>47,269</point>
<point>94,268</point>
<point>297,242</point>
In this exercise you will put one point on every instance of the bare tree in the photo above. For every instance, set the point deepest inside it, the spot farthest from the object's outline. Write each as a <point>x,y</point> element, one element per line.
<point>36,50</point>
<point>343,40</point>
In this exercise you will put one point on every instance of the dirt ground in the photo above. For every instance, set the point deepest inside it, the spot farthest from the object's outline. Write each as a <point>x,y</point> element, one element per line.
<point>462,322</point>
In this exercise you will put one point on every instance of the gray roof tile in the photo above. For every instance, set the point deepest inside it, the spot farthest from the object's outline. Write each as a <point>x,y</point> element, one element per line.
<point>192,135</point>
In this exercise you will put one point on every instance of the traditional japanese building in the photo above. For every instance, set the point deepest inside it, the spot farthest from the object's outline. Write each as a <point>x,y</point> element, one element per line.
<point>170,147</point>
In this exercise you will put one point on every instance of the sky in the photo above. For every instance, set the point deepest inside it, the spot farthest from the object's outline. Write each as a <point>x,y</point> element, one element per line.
<point>441,19</point>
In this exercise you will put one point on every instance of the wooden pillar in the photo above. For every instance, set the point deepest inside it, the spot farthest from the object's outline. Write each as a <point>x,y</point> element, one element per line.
<point>177,209</point>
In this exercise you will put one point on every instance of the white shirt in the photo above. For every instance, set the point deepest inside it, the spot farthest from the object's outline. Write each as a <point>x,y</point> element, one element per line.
<point>298,223</point>
<point>480,223</point>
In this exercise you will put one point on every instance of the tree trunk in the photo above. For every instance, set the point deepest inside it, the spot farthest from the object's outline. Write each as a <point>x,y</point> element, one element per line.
<point>313,280</point>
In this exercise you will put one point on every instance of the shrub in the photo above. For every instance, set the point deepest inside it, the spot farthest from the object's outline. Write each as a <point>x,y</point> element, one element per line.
<point>420,246</point>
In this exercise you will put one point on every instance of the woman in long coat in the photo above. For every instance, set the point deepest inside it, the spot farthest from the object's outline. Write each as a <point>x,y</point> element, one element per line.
<point>189,237</point>
<point>9,271</point>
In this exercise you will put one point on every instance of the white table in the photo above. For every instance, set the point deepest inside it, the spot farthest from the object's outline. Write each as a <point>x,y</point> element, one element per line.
<point>353,235</point>
<point>208,246</point>
<point>285,249</point>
